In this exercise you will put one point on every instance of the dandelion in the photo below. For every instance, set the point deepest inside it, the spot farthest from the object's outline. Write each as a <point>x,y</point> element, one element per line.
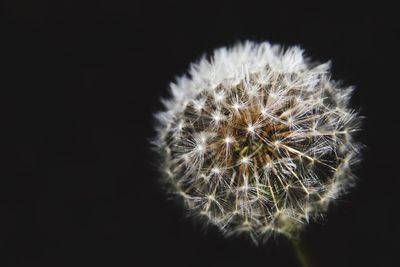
<point>257,140</point>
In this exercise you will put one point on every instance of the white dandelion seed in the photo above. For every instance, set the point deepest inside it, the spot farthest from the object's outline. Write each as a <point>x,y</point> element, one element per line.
<point>258,139</point>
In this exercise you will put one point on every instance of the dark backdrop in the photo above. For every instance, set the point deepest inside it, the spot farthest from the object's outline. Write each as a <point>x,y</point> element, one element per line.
<point>79,84</point>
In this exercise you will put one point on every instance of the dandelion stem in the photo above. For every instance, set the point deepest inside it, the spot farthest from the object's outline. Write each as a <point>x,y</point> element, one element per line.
<point>301,254</point>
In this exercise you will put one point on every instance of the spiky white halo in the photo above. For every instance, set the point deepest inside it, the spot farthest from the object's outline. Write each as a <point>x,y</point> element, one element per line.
<point>257,139</point>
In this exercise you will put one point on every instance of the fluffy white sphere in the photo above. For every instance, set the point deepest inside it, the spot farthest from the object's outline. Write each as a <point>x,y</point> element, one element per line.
<point>257,139</point>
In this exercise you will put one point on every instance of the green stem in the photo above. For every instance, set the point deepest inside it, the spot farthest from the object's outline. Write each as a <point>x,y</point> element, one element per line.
<point>300,252</point>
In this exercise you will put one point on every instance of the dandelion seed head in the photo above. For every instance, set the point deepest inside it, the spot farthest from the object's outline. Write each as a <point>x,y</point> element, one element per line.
<point>257,139</point>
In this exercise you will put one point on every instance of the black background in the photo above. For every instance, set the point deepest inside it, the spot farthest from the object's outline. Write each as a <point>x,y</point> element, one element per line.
<point>79,84</point>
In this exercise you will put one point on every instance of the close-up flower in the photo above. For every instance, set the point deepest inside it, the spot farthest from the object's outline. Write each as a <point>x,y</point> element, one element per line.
<point>257,139</point>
